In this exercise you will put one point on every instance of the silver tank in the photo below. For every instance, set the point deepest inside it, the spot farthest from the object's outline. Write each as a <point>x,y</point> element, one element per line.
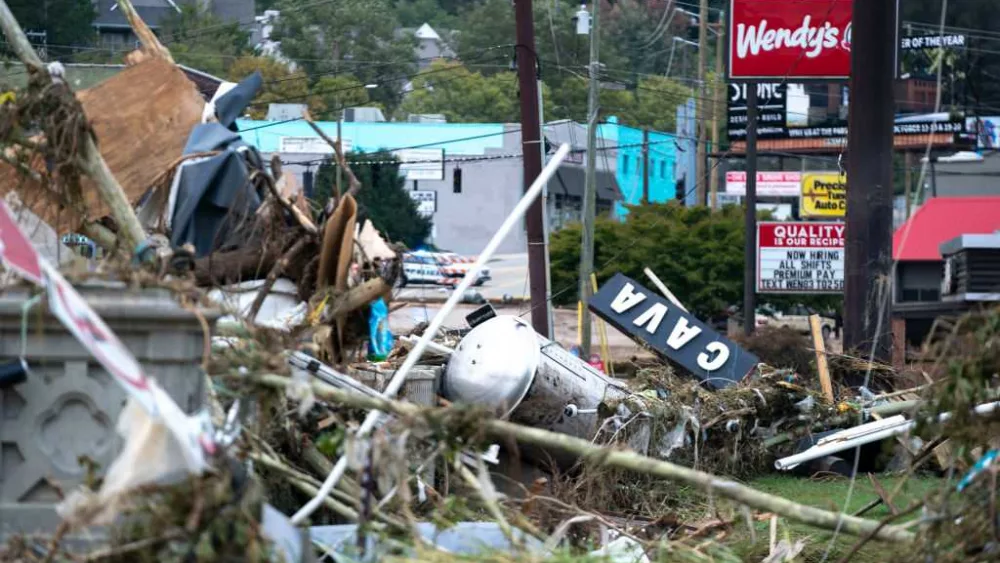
<point>503,364</point>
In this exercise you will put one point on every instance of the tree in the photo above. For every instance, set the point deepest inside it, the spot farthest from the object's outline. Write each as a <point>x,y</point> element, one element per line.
<point>414,13</point>
<point>358,37</point>
<point>696,252</point>
<point>199,39</point>
<point>464,96</point>
<point>383,198</point>
<point>281,85</point>
<point>67,23</point>
<point>650,103</point>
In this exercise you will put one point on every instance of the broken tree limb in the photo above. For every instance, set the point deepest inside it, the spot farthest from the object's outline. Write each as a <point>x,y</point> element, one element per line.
<point>150,43</point>
<point>235,266</point>
<point>624,459</point>
<point>352,180</point>
<point>355,298</point>
<point>90,160</point>
<point>821,366</point>
<point>305,222</point>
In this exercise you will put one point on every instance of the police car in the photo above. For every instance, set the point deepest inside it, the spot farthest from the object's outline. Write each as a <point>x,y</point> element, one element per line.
<point>441,268</point>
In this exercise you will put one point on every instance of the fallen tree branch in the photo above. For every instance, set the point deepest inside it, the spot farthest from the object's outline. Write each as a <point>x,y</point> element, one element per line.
<point>498,429</point>
<point>150,43</point>
<point>300,217</point>
<point>90,159</point>
<point>352,180</point>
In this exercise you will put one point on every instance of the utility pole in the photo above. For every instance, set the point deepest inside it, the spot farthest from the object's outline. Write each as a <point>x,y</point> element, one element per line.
<point>750,217</point>
<point>700,100</point>
<point>869,175</point>
<point>645,165</point>
<point>532,158</point>
<point>717,109</point>
<point>590,195</point>
<point>340,172</point>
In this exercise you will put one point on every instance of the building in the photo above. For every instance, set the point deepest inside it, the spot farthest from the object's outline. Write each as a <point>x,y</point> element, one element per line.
<point>431,46</point>
<point>479,179</point>
<point>965,174</point>
<point>114,32</point>
<point>919,272</point>
<point>686,161</point>
<point>629,146</point>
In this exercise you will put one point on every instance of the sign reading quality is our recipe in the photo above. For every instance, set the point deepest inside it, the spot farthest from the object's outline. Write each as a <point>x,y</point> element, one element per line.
<point>823,195</point>
<point>800,257</point>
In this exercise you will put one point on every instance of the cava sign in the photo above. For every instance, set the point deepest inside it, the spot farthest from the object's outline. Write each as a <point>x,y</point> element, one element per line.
<point>645,316</point>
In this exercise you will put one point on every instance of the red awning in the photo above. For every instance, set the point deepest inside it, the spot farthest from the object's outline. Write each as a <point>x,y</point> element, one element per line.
<point>940,220</point>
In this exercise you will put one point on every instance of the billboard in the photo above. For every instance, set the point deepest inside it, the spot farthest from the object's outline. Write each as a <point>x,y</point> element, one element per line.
<point>801,40</point>
<point>772,184</point>
<point>800,257</point>
<point>824,194</point>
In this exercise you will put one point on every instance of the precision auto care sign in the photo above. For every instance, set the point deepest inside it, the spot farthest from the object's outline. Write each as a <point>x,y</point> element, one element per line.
<point>671,331</point>
<point>789,39</point>
<point>823,195</point>
<point>800,257</point>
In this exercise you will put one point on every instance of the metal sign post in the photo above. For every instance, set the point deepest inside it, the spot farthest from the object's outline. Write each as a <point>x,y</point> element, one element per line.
<point>750,217</point>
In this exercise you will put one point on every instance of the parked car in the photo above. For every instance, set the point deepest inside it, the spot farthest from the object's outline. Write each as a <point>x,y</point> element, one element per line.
<point>440,268</point>
<point>796,318</point>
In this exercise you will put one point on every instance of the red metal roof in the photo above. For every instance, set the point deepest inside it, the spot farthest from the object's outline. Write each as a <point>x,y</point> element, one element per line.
<point>942,219</point>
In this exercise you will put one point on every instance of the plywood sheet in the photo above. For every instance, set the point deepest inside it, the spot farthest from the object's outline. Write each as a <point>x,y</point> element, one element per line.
<point>142,117</point>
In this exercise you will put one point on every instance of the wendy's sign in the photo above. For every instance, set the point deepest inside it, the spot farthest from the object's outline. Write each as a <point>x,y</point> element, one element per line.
<point>789,39</point>
<point>645,316</point>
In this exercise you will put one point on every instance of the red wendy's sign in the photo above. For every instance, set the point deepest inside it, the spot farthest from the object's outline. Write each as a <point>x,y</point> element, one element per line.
<point>794,39</point>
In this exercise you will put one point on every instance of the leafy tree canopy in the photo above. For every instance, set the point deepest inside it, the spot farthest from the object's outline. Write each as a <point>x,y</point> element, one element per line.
<point>359,37</point>
<point>464,96</point>
<point>697,252</point>
<point>281,85</point>
<point>67,23</point>
<point>199,39</point>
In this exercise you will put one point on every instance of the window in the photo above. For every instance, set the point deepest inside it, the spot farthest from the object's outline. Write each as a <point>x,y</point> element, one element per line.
<point>663,169</point>
<point>625,165</point>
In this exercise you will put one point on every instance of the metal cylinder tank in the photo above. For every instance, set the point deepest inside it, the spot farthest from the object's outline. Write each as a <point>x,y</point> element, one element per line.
<point>503,364</point>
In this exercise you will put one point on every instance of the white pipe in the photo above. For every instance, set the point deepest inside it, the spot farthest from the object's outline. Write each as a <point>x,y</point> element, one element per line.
<point>411,341</point>
<point>399,377</point>
<point>663,289</point>
<point>817,452</point>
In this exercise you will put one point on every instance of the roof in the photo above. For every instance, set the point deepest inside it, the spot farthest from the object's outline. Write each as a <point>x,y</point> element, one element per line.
<point>941,220</point>
<point>427,32</point>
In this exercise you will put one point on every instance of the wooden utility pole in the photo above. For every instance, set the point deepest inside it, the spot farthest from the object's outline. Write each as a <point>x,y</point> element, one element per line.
<point>532,159</point>
<point>590,195</point>
<point>869,176</point>
<point>645,166</point>
<point>750,217</point>
<point>717,108</point>
<point>700,166</point>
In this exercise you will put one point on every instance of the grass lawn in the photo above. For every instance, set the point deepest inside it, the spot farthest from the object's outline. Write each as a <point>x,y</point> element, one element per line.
<point>829,493</point>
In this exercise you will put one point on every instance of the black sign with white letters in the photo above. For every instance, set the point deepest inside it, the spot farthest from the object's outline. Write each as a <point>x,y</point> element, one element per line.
<point>645,316</point>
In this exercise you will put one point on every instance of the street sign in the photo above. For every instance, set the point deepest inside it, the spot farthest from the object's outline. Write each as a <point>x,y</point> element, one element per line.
<point>426,201</point>
<point>800,257</point>
<point>801,40</point>
<point>421,164</point>
<point>776,184</point>
<point>671,331</point>
<point>823,195</point>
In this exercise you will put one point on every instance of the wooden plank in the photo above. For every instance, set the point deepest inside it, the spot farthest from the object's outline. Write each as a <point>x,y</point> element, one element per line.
<point>882,494</point>
<point>142,118</point>
<point>821,366</point>
<point>898,343</point>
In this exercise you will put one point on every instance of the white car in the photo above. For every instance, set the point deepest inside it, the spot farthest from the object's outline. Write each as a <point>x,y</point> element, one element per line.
<point>797,319</point>
<point>438,268</point>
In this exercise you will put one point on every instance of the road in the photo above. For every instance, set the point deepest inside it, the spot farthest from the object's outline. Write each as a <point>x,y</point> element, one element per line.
<point>509,277</point>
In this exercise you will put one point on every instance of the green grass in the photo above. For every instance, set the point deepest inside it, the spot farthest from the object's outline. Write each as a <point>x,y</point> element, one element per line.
<point>829,493</point>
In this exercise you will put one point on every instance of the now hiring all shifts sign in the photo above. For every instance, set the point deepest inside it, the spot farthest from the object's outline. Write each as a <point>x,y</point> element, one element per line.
<point>671,331</point>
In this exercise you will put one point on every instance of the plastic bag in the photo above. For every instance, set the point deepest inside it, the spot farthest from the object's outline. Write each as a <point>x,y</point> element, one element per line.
<point>379,336</point>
